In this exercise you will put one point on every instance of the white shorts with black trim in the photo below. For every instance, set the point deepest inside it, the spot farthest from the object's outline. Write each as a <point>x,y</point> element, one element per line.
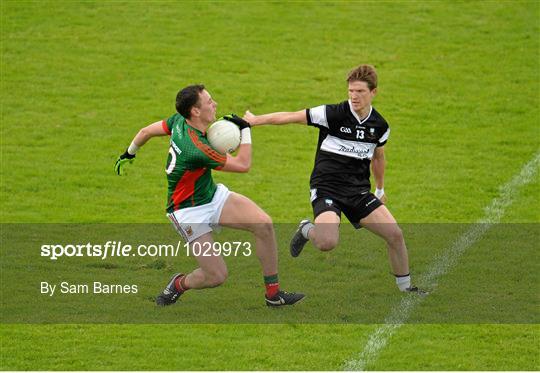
<point>192,222</point>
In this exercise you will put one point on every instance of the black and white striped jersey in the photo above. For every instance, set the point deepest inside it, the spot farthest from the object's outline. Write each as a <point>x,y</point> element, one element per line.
<point>345,148</point>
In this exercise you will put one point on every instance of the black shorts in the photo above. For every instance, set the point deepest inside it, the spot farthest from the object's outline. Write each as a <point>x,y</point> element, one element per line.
<point>354,208</point>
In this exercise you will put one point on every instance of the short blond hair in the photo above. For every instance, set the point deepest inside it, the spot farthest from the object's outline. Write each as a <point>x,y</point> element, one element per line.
<point>364,73</point>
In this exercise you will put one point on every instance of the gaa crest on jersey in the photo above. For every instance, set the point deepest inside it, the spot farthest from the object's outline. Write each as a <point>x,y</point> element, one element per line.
<point>328,202</point>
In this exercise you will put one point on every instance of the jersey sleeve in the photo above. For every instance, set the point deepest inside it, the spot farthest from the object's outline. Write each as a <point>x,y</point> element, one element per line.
<point>210,158</point>
<point>316,116</point>
<point>168,123</point>
<point>384,138</point>
<point>328,116</point>
<point>166,126</point>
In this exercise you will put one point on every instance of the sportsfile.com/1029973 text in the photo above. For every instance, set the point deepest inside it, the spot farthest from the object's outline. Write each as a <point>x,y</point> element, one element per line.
<point>113,249</point>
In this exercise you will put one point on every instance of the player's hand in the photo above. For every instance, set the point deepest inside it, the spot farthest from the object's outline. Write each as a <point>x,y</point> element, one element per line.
<point>122,162</point>
<point>379,193</point>
<point>238,121</point>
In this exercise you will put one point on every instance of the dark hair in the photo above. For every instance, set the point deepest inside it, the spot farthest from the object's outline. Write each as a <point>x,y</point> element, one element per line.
<point>364,73</point>
<point>187,98</point>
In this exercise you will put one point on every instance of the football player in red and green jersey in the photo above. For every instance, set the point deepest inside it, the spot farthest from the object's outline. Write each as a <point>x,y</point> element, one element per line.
<point>196,205</point>
<point>189,165</point>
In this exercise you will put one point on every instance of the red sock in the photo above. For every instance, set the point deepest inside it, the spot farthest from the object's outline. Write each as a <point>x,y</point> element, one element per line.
<point>271,289</point>
<point>272,285</point>
<point>180,284</point>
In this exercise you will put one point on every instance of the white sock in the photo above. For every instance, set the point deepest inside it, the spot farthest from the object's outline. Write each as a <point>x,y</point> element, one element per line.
<point>305,230</point>
<point>403,282</point>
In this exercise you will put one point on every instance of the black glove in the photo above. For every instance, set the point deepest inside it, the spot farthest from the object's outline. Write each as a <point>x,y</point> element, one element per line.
<point>122,162</point>
<point>238,121</point>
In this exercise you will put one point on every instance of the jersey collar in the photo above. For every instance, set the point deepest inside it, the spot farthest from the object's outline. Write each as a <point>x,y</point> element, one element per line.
<point>356,115</point>
<point>195,129</point>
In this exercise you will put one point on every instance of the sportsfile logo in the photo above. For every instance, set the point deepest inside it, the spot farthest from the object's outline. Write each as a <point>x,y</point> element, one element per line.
<point>112,249</point>
<point>109,249</point>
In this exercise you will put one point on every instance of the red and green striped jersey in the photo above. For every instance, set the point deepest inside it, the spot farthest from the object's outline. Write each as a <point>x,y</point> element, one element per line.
<point>189,164</point>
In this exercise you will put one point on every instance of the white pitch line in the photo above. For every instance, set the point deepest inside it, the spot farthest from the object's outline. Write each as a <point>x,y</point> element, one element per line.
<point>442,264</point>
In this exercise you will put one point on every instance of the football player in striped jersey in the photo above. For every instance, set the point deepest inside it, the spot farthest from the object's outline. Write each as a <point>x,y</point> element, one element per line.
<point>352,135</point>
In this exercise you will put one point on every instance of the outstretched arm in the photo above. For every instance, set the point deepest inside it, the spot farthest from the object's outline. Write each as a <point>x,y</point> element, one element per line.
<point>276,118</point>
<point>144,134</point>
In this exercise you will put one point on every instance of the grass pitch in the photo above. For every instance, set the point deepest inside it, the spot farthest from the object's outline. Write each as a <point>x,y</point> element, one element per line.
<point>459,86</point>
